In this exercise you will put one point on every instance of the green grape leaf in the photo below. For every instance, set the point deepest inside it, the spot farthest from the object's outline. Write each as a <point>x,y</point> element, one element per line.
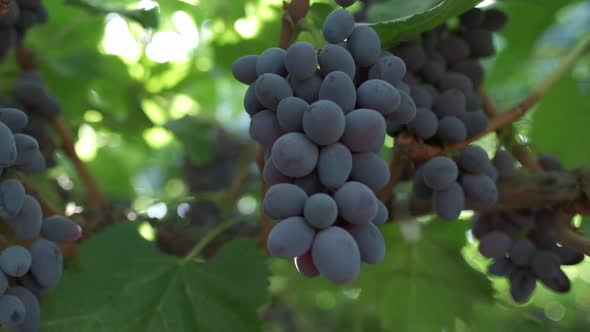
<point>123,283</point>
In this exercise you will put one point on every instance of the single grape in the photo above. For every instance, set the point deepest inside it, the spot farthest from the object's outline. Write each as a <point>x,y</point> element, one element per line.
<point>294,155</point>
<point>15,120</point>
<point>480,188</point>
<point>308,90</point>
<point>378,95</point>
<point>522,252</point>
<point>472,69</point>
<point>316,117</point>
<point>546,264</point>
<point>382,214</point>
<point>305,265</point>
<point>290,114</point>
<point>27,223</point>
<point>334,165</point>
<point>480,41</point>
<point>457,81</point>
<point>12,197</point>
<point>449,103</point>
<point>501,267</point>
<point>388,68</point>
<point>284,200</point>
<point>453,49</point>
<point>251,103</point>
<point>494,20</point>
<point>265,128</point>
<point>433,71</point>
<point>336,255</point>
<point>60,229</point>
<point>364,45</point>
<point>244,69</point>
<point>320,211</point>
<point>47,266</point>
<point>32,318</point>
<point>338,26</point>
<point>272,61</point>
<point>339,88</point>
<point>357,204</point>
<point>8,154</point>
<point>568,256</point>
<point>558,282</point>
<point>451,130</point>
<point>504,163</point>
<point>290,238</point>
<point>301,60</point>
<point>473,159</point>
<point>271,89</point>
<point>406,112</point>
<point>439,172</point>
<point>364,131</point>
<point>449,202</point>
<point>412,54</point>
<point>475,122</point>
<point>369,169</point>
<point>12,311</point>
<point>336,58</point>
<point>370,242</point>
<point>522,285</point>
<point>495,244</point>
<point>15,261</point>
<point>472,18</point>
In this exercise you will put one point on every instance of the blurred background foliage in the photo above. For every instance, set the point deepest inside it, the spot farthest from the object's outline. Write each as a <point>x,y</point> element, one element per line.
<point>148,91</point>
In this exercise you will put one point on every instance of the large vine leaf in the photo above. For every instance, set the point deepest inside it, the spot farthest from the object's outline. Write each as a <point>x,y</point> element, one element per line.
<point>123,283</point>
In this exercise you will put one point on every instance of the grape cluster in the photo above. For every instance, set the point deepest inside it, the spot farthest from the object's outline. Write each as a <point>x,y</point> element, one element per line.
<point>16,21</point>
<point>523,243</point>
<point>26,272</point>
<point>321,117</point>
<point>447,183</point>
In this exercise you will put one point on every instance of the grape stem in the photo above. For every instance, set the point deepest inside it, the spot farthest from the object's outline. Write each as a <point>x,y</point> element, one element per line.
<point>398,163</point>
<point>570,238</point>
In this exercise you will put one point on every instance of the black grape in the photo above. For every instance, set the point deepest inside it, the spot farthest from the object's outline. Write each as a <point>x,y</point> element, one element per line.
<point>12,197</point>
<point>433,71</point>
<point>457,81</point>
<point>284,200</point>
<point>504,163</point>
<point>522,285</point>
<point>271,89</point>
<point>412,54</point>
<point>34,163</point>
<point>338,26</point>
<point>494,20</point>
<point>320,211</point>
<point>272,175</point>
<point>265,128</point>
<point>501,267</point>
<point>244,69</point>
<point>425,124</point>
<point>334,165</point>
<point>382,214</point>
<point>295,155</point>
<point>406,112</point>
<point>364,131</point>
<point>546,264</point>
<point>310,183</point>
<point>449,202</point>
<point>421,96</point>
<point>480,188</point>
<point>316,118</point>
<point>308,90</point>
<point>60,229</point>
<point>369,169</point>
<point>32,319</point>
<point>364,45</point>
<point>8,153</point>
<point>451,130</point>
<point>12,310</point>
<point>3,282</point>
<point>27,223</point>
<point>290,114</point>
<point>568,256</point>
<point>345,3</point>
<point>336,58</point>
<point>357,204</point>
<point>558,282</point>
<point>522,252</point>
<point>480,41</point>
<point>403,87</point>
<point>336,255</point>
<point>251,103</point>
<point>290,238</point>
<point>370,242</point>
<point>471,69</point>
<point>482,225</point>
<point>550,163</point>
<point>47,266</point>
<point>14,119</point>
<point>301,60</point>
<point>305,265</point>
<point>339,88</point>
<point>453,49</point>
<point>272,61</point>
<point>475,122</point>
<point>449,103</point>
<point>473,102</point>
<point>439,172</point>
<point>15,261</point>
<point>473,159</point>
<point>388,68</point>
<point>495,244</point>
<point>378,95</point>
<point>472,18</point>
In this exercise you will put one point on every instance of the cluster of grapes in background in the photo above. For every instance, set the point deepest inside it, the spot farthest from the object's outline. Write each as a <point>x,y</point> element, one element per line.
<point>19,17</point>
<point>523,243</point>
<point>321,117</point>
<point>26,271</point>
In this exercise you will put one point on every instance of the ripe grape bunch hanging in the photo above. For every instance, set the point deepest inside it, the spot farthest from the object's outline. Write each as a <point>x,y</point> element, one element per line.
<point>322,117</point>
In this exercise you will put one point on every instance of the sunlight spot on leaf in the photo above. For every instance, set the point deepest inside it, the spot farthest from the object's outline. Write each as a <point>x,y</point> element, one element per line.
<point>118,40</point>
<point>158,210</point>
<point>147,231</point>
<point>86,145</point>
<point>157,137</point>
<point>247,205</point>
<point>247,27</point>
<point>187,28</point>
<point>325,300</point>
<point>486,3</point>
<point>555,311</point>
<point>167,46</point>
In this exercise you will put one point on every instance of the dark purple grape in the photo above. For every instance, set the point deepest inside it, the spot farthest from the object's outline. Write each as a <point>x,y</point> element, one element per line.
<point>494,20</point>
<point>449,103</point>
<point>310,183</point>
<point>290,238</point>
<point>15,261</point>
<point>27,223</point>
<point>308,90</point>
<point>265,128</point>
<point>558,282</point>
<point>339,88</point>
<point>421,96</point>
<point>550,163</point>
<point>294,155</point>
<point>473,102</point>
<point>320,211</point>
<point>32,318</point>
<point>301,60</point>
<point>425,124</point>
<point>480,188</point>
<point>440,172</point>
<point>357,204</point>
<point>364,131</point>
<point>12,311</point>
<point>8,154</point>
<point>364,45</point>
<point>473,159</point>
<point>345,3</point>
<point>382,214</point>
<point>475,122</point>
<point>495,244</point>
<point>305,265</point>
<point>388,68</point>
<point>420,191</point>
<point>451,130</point>
<point>251,103</point>
<point>522,285</point>
<point>272,61</point>
<point>471,69</point>
<point>546,264</point>
<point>501,267</point>
<point>47,265</point>
<point>504,163</point>
<point>433,71</point>
<point>482,225</point>
<point>60,229</point>
<point>522,252</point>
<point>12,197</point>
<point>370,242</point>
<point>336,255</point>
<point>480,41</point>
<point>449,202</point>
<point>369,169</point>
<point>290,114</point>
<point>284,200</point>
<point>316,117</point>
<point>453,49</point>
<point>412,54</point>
<point>244,69</point>
<point>569,256</point>
<point>338,26</point>
<point>378,95</point>
<point>334,165</point>
<point>491,172</point>
<point>406,112</point>
<point>336,58</point>
<point>271,89</point>
<point>458,81</point>
<point>15,120</point>
<point>472,18</point>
